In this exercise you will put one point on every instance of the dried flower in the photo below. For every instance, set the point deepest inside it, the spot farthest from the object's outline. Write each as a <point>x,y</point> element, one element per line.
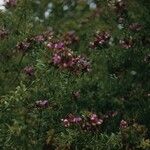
<point>135,27</point>
<point>76,94</point>
<point>42,103</point>
<point>126,43</point>
<point>3,34</point>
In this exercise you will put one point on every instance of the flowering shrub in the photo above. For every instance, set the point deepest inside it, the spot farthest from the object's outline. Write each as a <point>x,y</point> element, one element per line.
<point>74,75</point>
<point>101,39</point>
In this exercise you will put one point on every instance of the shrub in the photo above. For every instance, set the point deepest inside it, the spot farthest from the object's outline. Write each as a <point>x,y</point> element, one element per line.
<point>74,75</point>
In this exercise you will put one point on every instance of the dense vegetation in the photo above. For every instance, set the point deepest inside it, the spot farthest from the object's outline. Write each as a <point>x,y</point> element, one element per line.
<point>74,74</point>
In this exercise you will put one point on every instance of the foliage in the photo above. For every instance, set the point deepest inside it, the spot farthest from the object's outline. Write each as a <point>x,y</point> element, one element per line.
<point>75,75</point>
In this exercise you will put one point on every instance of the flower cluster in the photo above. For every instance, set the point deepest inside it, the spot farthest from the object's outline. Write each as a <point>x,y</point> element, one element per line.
<point>120,9</point>
<point>25,45</point>
<point>58,45</point>
<point>11,3</point>
<point>3,34</point>
<point>95,120</point>
<point>90,121</point>
<point>71,120</point>
<point>67,39</point>
<point>47,35</point>
<point>65,59</point>
<point>126,43</point>
<point>123,124</point>
<point>29,70</point>
<point>86,123</point>
<point>101,39</point>
<point>70,37</point>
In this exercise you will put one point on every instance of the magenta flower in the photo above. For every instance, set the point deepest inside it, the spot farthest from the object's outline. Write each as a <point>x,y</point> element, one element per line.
<point>56,45</point>
<point>74,119</point>
<point>56,59</point>
<point>123,124</point>
<point>71,120</point>
<point>66,122</point>
<point>59,45</point>
<point>95,120</point>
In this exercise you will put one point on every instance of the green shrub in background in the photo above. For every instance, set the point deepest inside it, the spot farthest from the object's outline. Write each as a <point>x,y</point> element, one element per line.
<point>74,74</point>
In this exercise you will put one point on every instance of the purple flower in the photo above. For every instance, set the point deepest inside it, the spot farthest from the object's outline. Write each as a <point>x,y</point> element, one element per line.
<point>29,70</point>
<point>95,120</point>
<point>59,45</point>
<point>56,59</point>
